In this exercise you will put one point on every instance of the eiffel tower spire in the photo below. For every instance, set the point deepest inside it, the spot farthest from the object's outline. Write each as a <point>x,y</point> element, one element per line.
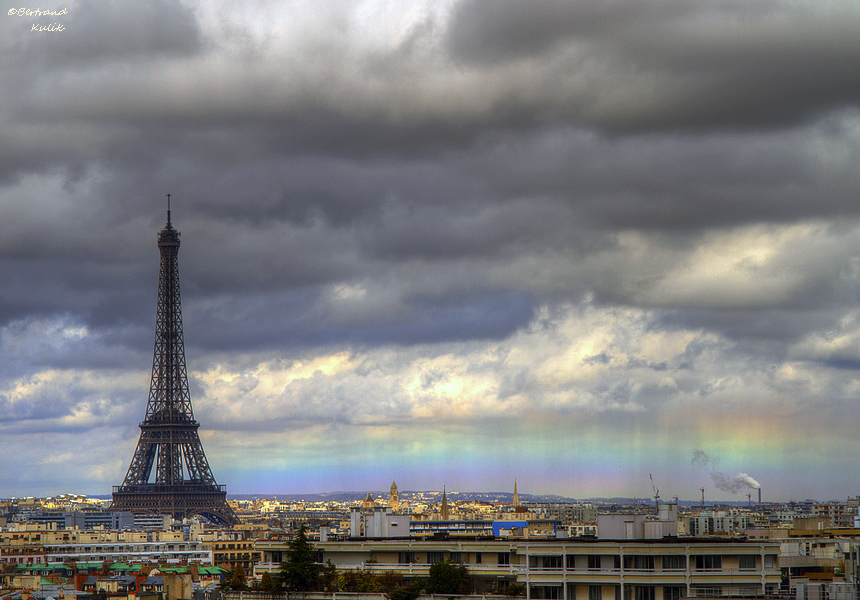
<point>184,484</point>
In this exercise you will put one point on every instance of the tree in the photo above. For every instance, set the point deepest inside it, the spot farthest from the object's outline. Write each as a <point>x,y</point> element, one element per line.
<point>300,572</point>
<point>328,577</point>
<point>516,589</point>
<point>266,582</point>
<point>448,578</point>
<point>238,580</point>
<point>408,590</point>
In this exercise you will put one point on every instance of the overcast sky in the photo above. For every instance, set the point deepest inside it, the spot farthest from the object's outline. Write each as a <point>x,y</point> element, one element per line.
<point>571,243</point>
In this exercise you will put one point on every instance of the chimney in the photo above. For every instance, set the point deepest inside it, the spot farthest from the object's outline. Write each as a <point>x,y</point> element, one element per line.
<point>759,495</point>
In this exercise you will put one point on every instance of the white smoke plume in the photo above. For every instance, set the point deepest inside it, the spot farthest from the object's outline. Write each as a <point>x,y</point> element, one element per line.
<point>723,481</point>
<point>739,482</point>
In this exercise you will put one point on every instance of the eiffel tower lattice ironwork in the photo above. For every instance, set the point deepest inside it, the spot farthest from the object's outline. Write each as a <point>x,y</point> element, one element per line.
<point>184,484</point>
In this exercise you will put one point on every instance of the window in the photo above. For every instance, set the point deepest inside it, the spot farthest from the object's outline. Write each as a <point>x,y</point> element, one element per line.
<point>456,557</point>
<point>746,562</point>
<point>673,592</point>
<point>639,563</point>
<point>643,592</point>
<point>549,562</point>
<point>709,563</point>
<point>406,557</point>
<point>504,558</point>
<point>674,562</point>
<point>546,592</point>
<point>435,557</point>
<point>478,558</point>
<point>595,592</point>
<point>593,562</point>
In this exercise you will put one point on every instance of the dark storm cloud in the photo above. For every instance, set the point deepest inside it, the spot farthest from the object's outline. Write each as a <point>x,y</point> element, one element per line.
<point>772,327</point>
<point>307,318</point>
<point>666,182</point>
<point>676,65</point>
<point>408,230</point>
<point>491,32</point>
<point>40,287</point>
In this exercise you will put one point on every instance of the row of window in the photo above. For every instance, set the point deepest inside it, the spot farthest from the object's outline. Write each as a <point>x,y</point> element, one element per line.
<point>594,562</point>
<point>73,548</point>
<point>194,556</point>
<point>502,558</point>
<point>639,592</point>
<point>670,562</point>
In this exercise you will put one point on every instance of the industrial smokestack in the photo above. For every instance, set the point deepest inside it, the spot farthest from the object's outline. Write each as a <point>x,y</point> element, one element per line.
<point>759,495</point>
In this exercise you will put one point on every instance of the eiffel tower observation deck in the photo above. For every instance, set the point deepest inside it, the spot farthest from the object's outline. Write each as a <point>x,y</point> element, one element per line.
<point>183,485</point>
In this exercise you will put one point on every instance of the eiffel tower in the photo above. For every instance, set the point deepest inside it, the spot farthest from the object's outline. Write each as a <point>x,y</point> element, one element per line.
<point>168,433</point>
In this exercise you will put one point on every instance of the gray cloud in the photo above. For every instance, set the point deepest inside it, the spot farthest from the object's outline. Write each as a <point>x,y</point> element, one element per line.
<point>102,32</point>
<point>675,65</point>
<point>601,217</point>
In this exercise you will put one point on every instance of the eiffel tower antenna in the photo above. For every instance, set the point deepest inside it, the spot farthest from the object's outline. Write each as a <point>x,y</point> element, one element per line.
<point>184,485</point>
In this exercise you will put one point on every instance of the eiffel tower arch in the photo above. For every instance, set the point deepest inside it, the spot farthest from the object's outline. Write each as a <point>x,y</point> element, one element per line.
<point>183,483</point>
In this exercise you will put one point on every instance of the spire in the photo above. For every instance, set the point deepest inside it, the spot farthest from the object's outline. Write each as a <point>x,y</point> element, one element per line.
<point>516,495</point>
<point>169,226</point>
<point>444,505</point>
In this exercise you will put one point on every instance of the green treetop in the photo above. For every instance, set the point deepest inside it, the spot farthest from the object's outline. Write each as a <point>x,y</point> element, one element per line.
<point>300,572</point>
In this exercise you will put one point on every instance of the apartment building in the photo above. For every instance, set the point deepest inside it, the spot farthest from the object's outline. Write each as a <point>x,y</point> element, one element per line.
<point>564,569</point>
<point>719,522</point>
<point>840,514</point>
<point>42,543</point>
<point>230,549</point>
<point>566,512</point>
<point>79,519</point>
<point>125,551</point>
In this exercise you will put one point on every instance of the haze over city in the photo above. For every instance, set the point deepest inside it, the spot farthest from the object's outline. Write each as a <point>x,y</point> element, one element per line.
<point>459,243</point>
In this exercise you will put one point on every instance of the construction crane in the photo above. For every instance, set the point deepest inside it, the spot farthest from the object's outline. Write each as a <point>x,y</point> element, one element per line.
<point>656,491</point>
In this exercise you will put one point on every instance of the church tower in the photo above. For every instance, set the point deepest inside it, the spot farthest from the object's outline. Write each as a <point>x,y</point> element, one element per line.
<point>393,498</point>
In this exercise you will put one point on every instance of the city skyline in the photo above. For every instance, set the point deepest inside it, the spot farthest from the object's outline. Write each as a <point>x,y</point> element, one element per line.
<point>461,243</point>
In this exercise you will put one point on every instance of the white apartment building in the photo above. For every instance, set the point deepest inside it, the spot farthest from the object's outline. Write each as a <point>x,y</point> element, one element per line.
<point>565,569</point>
